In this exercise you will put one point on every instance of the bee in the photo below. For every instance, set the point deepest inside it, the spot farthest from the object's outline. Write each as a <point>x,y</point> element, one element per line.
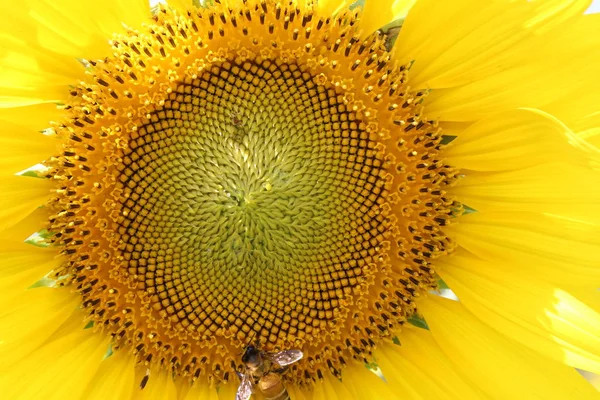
<point>264,370</point>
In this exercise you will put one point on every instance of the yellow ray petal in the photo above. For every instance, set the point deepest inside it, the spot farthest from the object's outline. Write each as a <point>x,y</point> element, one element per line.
<point>550,248</point>
<point>17,257</point>
<point>160,385</point>
<point>114,379</point>
<point>453,43</point>
<point>515,139</point>
<point>532,312</point>
<point>333,389</point>
<point>227,391</point>
<point>419,369</point>
<point>62,369</point>
<point>297,393</point>
<point>42,39</point>
<point>21,147</point>
<point>500,367</point>
<point>181,5</point>
<point>201,391</point>
<point>378,13</point>
<point>35,117</point>
<point>364,384</point>
<point>330,7</point>
<point>551,188</point>
<point>531,75</point>
<point>22,265</point>
<point>18,233</point>
<point>31,77</point>
<point>32,317</point>
<point>578,107</point>
<point>21,195</point>
<point>73,28</point>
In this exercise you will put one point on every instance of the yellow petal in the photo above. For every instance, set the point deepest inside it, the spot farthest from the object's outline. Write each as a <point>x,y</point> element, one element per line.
<point>332,389</point>
<point>31,77</point>
<point>181,5</point>
<point>17,257</point>
<point>530,75</point>
<point>160,385</point>
<point>503,369</point>
<point>35,117</point>
<point>515,139</point>
<point>43,39</point>
<point>378,13</point>
<point>201,391</point>
<point>34,222</point>
<point>553,249</point>
<point>21,148</point>
<point>22,265</point>
<point>457,42</point>
<point>227,391</point>
<point>419,369</point>
<point>551,188</point>
<point>297,393</point>
<point>21,195</point>
<point>534,313</point>
<point>73,28</point>
<point>30,319</point>
<point>59,370</point>
<point>330,7</point>
<point>364,384</point>
<point>114,379</point>
<point>578,107</point>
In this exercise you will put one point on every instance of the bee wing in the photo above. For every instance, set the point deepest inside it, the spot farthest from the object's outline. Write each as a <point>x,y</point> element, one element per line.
<point>244,391</point>
<point>286,357</point>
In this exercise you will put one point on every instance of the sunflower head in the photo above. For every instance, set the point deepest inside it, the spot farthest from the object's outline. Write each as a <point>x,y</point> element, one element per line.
<point>249,171</point>
<point>278,174</point>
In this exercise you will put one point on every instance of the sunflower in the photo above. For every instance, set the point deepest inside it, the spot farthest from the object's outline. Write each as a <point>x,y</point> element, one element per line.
<point>292,175</point>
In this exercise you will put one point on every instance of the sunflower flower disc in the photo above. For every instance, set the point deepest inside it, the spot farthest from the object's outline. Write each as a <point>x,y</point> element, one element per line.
<point>232,176</point>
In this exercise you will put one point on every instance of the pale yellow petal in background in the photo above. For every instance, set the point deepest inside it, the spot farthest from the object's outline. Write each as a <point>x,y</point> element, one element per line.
<point>201,390</point>
<point>114,379</point>
<point>457,42</point>
<point>533,312</point>
<point>30,77</point>
<point>160,385</point>
<point>418,369</point>
<point>579,107</point>
<point>531,74</point>
<point>515,139</point>
<point>35,117</point>
<point>557,250</point>
<point>332,389</point>
<point>74,28</point>
<point>364,384</point>
<point>60,370</point>
<point>28,319</point>
<point>330,7</point>
<point>42,40</point>
<point>21,147</point>
<point>20,196</point>
<point>22,265</point>
<point>552,188</point>
<point>378,13</point>
<point>228,390</point>
<point>181,5</point>
<point>502,368</point>
<point>15,235</point>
